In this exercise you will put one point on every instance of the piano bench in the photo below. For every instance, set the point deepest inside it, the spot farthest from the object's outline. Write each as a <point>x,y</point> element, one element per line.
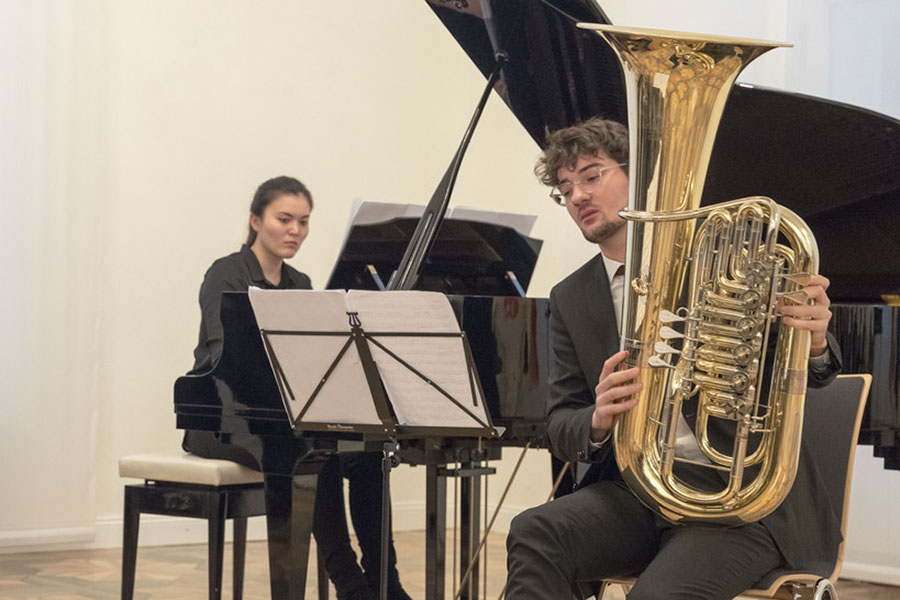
<point>203,488</point>
<point>190,486</point>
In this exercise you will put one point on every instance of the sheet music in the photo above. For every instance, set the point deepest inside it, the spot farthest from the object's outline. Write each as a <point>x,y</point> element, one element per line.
<point>440,359</point>
<point>522,223</point>
<point>321,311</point>
<point>304,359</point>
<point>293,318</point>
<point>366,212</point>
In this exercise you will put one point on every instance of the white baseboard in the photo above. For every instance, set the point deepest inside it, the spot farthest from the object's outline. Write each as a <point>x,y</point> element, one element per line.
<point>883,574</point>
<point>39,539</point>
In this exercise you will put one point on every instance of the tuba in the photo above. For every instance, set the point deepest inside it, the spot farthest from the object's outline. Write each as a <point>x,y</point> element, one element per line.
<point>701,289</point>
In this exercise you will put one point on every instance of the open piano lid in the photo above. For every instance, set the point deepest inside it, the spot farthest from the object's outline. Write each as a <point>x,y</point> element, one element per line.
<point>837,166</point>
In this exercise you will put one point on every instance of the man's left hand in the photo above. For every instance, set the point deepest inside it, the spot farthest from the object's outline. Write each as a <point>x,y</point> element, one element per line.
<point>813,315</point>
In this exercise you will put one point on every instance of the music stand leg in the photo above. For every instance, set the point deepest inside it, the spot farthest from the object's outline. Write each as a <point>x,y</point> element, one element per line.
<point>389,460</point>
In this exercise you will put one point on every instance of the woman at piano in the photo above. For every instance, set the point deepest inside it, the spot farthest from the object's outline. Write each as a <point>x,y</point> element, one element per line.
<point>279,222</point>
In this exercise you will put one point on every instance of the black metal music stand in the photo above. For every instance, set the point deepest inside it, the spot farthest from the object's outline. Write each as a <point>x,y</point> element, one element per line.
<point>361,340</point>
<point>388,429</point>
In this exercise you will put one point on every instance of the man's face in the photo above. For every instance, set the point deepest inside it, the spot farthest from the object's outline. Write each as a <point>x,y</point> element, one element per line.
<point>594,203</point>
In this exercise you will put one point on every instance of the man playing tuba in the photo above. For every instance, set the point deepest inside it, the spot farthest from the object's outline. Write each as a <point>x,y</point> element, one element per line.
<point>602,529</point>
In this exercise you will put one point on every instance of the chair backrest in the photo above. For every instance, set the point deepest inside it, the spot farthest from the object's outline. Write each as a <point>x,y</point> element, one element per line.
<point>831,421</point>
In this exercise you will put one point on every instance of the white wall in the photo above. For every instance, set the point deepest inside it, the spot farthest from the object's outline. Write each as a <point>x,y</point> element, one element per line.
<point>135,132</point>
<point>52,177</point>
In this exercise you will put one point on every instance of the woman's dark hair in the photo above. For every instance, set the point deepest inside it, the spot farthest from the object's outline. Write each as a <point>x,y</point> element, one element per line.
<point>563,146</point>
<point>269,191</point>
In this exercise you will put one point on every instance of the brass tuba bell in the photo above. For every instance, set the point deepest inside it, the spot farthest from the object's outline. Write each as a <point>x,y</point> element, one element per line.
<point>701,294</point>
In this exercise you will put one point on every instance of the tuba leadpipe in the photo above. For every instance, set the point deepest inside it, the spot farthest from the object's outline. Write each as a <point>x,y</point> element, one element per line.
<point>702,286</point>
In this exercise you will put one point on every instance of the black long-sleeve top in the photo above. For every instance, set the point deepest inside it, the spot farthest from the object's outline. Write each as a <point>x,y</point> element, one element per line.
<point>233,273</point>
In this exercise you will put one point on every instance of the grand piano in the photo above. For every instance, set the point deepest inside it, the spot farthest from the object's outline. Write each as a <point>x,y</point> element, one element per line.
<point>843,179</point>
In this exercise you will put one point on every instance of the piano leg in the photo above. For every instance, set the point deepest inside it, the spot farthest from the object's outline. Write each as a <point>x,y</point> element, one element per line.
<point>289,515</point>
<point>435,532</point>
<point>470,527</point>
<point>436,476</point>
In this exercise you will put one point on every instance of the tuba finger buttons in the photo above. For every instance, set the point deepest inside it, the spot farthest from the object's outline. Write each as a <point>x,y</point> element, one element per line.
<point>740,382</point>
<point>664,348</point>
<point>667,333</point>
<point>750,300</point>
<point>667,316</point>
<point>743,354</point>
<point>747,328</point>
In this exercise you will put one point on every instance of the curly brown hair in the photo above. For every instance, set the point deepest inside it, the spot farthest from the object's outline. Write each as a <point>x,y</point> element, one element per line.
<point>563,146</point>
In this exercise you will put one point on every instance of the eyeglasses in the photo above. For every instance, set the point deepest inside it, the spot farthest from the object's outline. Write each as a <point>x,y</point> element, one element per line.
<point>590,182</point>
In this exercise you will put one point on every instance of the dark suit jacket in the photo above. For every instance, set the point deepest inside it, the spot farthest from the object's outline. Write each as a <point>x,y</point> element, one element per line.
<point>583,335</point>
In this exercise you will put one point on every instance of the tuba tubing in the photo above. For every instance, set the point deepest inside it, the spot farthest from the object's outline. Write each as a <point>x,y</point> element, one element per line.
<point>719,279</point>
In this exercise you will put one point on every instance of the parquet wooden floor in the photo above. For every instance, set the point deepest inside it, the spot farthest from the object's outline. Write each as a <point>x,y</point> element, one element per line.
<point>179,573</point>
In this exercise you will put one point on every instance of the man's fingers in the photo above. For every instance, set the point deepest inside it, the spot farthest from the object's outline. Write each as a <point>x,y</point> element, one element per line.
<point>616,394</point>
<point>806,311</point>
<point>612,379</point>
<point>620,407</point>
<point>805,322</point>
<point>806,316</point>
<point>609,366</point>
<point>819,281</point>
<point>614,391</point>
<point>817,294</point>
<point>613,401</point>
<point>610,410</point>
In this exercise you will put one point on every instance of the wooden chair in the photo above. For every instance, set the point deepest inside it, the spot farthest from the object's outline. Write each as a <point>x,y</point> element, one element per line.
<point>831,427</point>
<point>203,488</point>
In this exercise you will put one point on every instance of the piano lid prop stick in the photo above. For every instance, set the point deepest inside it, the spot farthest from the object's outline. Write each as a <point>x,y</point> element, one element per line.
<point>407,273</point>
